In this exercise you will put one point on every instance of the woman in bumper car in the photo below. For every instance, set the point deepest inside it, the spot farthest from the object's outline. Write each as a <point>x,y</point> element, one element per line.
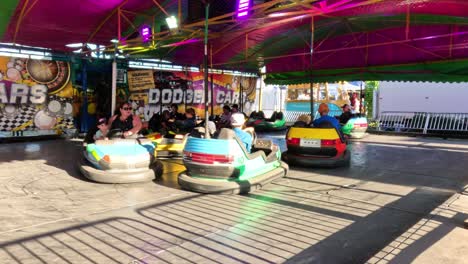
<point>127,122</point>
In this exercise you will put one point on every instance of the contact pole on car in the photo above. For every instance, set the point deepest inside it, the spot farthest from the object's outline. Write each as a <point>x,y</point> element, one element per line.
<point>312,112</point>
<point>205,66</point>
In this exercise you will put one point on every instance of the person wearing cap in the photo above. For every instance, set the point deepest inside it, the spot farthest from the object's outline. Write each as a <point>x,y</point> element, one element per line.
<point>102,129</point>
<point>237,121</point>
<point>346,115</point>
<point>324,117</point>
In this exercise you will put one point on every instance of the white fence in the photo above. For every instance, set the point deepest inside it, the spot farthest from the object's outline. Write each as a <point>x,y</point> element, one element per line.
<point>423,122</point>
<point>291,116</point>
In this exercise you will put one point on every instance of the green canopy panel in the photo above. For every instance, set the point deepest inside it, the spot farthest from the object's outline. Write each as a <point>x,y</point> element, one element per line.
<point>439,71</point>
<point>7,8</point>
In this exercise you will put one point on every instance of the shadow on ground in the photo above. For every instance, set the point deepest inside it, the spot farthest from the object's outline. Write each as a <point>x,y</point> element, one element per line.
<point>391,196</point>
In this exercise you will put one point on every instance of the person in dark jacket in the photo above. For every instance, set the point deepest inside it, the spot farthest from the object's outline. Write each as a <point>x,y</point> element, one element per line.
<point>346,115</point>
<point>126,121</point>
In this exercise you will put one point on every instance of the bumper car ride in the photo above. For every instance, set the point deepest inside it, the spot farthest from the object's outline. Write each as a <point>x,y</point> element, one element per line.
<point>276,122</point>
<point>168,146</point>
<point>119,161</point>
<point>321,147</point>
<point>223,165</point>
<point>356,127</point>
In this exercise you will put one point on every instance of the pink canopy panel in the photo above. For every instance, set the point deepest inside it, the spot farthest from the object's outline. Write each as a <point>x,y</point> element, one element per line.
<point>348,34</point>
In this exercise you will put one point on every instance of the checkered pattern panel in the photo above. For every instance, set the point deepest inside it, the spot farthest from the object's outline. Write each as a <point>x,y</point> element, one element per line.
<point>25,114</point>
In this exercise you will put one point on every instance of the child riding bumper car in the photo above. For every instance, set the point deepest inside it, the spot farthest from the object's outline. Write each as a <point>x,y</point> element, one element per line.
<point>224,165</point>
<point>118,160</point>
<point>276,122</point>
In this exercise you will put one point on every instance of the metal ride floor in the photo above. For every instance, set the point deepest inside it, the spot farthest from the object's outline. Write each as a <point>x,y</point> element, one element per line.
<point>398,202</point>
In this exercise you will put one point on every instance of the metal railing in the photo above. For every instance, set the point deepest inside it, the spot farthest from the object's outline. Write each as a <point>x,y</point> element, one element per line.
<point>423,122</point>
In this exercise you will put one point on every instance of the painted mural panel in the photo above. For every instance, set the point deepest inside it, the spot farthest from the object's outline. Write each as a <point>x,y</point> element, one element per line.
<point>186,90</point>
<point>35,96</point>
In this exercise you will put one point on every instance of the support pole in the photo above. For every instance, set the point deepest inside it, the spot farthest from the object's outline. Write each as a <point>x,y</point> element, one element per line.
<point>114,82</point>
<point>262,77</point>
<point>205,64</point>
<point>84,107</point>
<point>312,112</point>
<point>360,99</point>
<point>281,99</point>
<point>212,95</point>
<point>211,83</point>
<point>114,86</point>
<point>241,97</point>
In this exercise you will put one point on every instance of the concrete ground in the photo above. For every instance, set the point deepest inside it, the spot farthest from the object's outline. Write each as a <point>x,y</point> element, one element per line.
<point>401,201</point>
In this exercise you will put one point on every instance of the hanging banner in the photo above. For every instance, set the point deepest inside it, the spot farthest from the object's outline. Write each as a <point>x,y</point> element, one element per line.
<point>140,80</point>
<point>186,89</point>
<point>35,96</point>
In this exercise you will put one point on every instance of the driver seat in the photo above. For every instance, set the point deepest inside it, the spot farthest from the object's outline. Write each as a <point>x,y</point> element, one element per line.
<point>328,124</point>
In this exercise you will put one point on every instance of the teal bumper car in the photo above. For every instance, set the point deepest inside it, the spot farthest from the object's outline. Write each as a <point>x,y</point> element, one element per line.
<point>356,127</point>
<point>119,161</point>
<point>223,165</point>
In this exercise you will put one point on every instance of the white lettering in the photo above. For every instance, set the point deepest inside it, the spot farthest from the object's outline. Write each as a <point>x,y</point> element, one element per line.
<point>178,96</point>
<point>3,94</point>
<point>19,90</point>
<point>153,96</point>
<point>38,94</point>
<point>198,94</point>
<point>235,98</point>
<point>189,97</point>
<point>227,99</point>
<point>220,97</point>
<point>166,96</point>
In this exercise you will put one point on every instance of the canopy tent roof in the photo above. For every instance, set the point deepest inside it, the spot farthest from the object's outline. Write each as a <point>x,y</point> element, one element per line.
<point>353,39</point>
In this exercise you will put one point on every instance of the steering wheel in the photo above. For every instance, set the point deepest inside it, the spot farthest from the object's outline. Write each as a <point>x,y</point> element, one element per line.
<point>115,133</point>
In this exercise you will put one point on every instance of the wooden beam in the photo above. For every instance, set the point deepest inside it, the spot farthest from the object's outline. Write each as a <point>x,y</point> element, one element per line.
<point>129,22</point>
<point>134,13</point>
<point>338,4</point>
<point>180,11</point>
<point>30,8</point>
<point>91,36</point>
<point>255,7</point>
<point>246,44</point>
<point>161,8</point>
<point>246,31</point>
